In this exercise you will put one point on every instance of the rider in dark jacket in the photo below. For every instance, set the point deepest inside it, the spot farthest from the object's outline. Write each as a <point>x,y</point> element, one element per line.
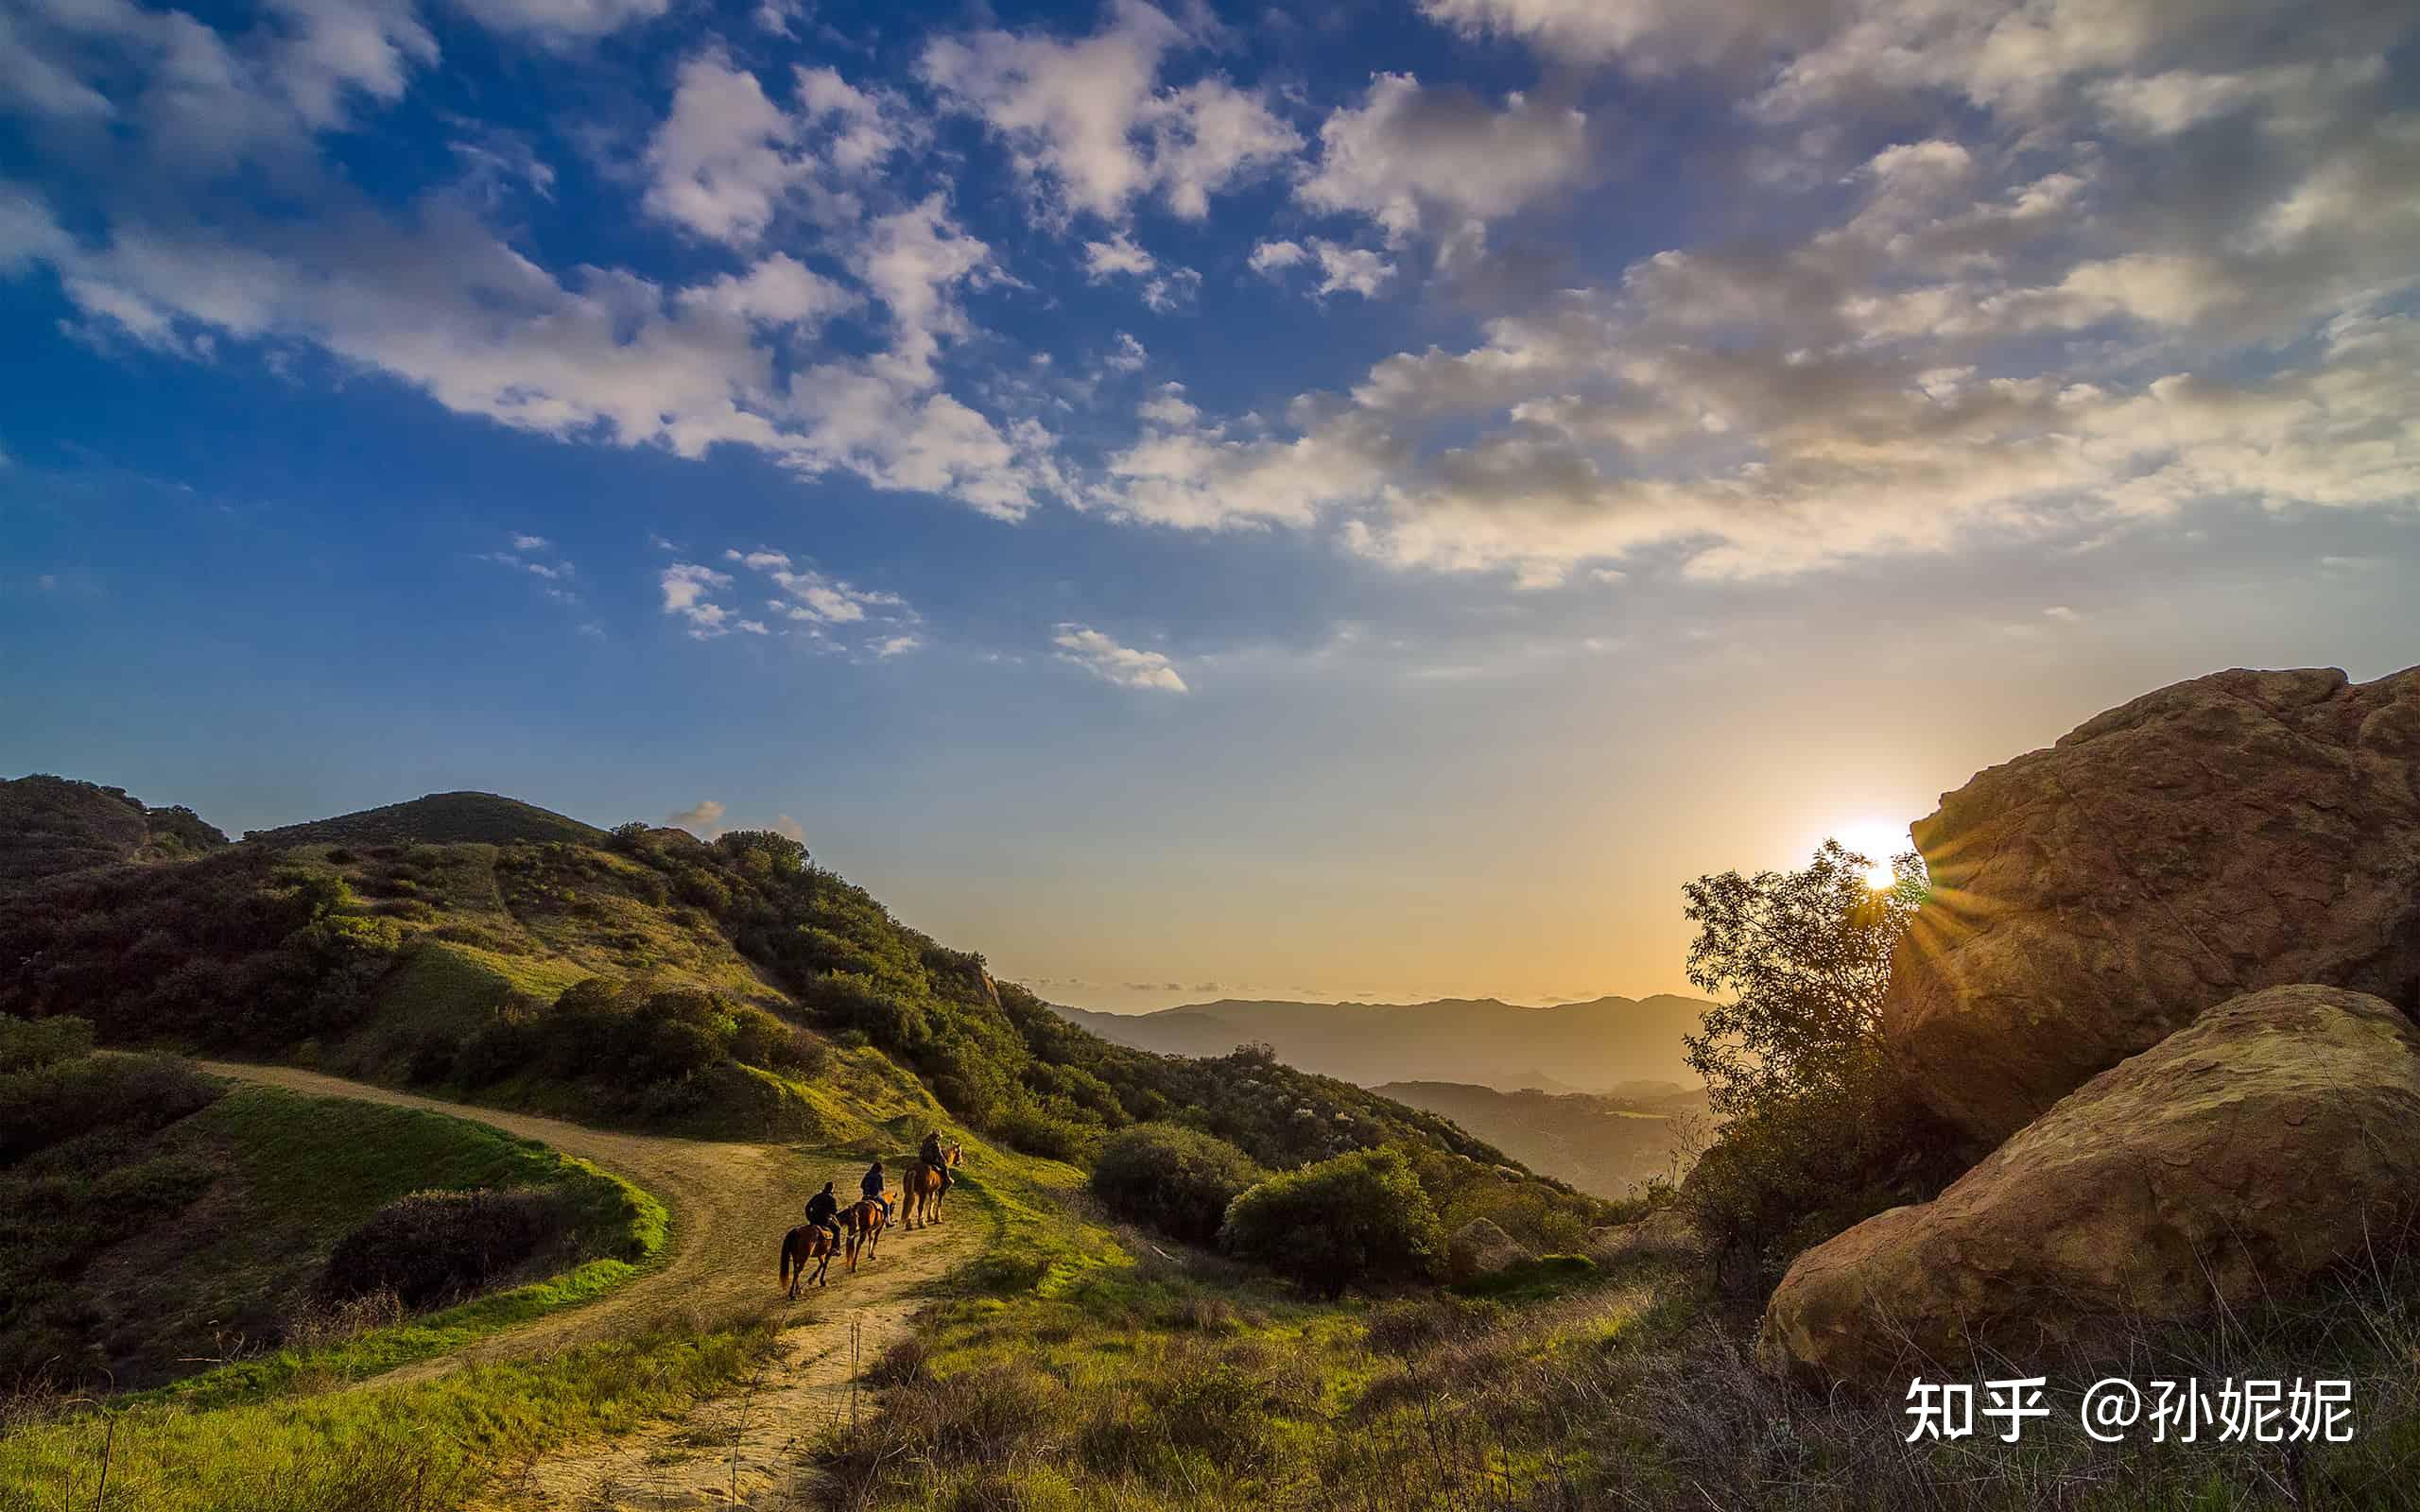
<point>823,1212</point>
<point>932,1155</point>
<point>873,1184</point>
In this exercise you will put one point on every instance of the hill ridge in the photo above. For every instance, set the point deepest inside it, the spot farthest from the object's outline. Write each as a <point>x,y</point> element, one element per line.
<point>467,815</point>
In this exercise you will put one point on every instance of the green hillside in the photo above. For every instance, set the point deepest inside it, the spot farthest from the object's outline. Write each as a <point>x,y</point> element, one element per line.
<point>154,1222</point>
<point>494,952</point>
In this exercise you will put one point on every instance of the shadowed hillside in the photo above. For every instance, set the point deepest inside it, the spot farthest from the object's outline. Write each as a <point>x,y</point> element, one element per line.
<point>50,826</point>
<point>441,818</point>
<point>1590,1047</point>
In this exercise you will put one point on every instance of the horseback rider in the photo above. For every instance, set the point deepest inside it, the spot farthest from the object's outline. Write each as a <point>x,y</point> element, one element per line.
<point>932,1155</point>
<point>873,1184</point>
<point>823,1212</point>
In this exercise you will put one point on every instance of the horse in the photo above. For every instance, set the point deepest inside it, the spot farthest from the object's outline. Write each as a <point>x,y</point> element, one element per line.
<point>804,1242</point>
<point>923,1190</point>
<point>864,1221</point>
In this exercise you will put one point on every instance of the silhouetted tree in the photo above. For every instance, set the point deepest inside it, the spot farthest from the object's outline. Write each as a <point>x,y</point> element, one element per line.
<point>1804,957</point>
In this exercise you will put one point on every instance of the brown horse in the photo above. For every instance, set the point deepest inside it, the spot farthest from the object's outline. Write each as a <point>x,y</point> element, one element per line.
<point>864,1221</point>
<point>804,1242</point>
<point>923,1188</point>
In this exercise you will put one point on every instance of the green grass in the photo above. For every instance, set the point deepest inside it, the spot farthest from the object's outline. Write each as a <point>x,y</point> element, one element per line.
<point>441,985</point>
<point>420,1447</point>
<point>1073,1366</point>
<point>284,1139</point>
<point>261,1185</point>
<point>319,1165</point>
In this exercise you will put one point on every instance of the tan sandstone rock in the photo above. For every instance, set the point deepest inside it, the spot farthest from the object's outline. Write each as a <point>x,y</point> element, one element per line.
<point>2232,833</point>
<point>2277,1134</point>
<point>1480,1248</point>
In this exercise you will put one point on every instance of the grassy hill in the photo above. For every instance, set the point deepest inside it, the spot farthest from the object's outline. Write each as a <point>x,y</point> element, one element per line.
<point>491,951</point>
<point>1611,1146</point>
<point>441,818</point>
<point>154,1222</point>
<point>1593,1046</point>
<point>51,826</point>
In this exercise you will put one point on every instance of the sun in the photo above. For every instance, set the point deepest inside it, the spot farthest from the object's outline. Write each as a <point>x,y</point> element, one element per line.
<point>1878,840</point>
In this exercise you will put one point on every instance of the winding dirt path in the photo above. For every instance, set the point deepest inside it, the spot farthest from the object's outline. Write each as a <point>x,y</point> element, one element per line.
<point>730,1204</point>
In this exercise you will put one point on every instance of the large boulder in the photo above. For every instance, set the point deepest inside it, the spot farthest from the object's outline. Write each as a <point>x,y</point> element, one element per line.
<point>2232,833</point>
<point>2276,1136</point>
<point>1480,1248</point>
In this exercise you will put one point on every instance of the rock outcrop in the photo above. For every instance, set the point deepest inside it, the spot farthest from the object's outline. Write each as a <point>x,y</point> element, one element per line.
<point>2274,1137</point>
<point>2236,832</point>
<point>1480,1248</point>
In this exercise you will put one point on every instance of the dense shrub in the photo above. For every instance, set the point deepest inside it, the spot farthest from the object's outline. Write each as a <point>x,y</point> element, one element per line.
<point>1046,1134</point>
<point>762,852</point>
<point>702,888</point>
<point>232,949</point>
<point>434,1247</point>
<point>1793,1173</point>
<point>1358,1220</point>
<point>29,1044</point>
<point>47,1104</point>
<point>1177,1180</point>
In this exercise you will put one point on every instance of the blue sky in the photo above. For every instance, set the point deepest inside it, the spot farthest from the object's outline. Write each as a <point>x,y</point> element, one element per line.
<point>1192,499</point>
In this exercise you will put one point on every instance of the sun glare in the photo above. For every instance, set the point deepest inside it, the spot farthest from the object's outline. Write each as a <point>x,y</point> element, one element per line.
<point>1878,840</point>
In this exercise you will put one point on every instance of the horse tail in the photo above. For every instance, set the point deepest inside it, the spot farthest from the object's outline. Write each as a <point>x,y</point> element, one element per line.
<point>788,1241</point>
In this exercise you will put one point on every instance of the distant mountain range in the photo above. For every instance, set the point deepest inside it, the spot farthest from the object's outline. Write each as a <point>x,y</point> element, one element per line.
<point>1610,1147</point>
<point>1608,1045</point>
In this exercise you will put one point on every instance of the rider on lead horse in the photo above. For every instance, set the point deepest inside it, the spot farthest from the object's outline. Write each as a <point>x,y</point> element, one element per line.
<point>932,1155</point>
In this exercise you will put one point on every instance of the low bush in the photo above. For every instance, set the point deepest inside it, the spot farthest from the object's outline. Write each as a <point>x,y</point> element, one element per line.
<point>29,1044</point>
<point>1049,1135</point>
<point>434,1247</point>
<point>1177,1180</point>
<point>1358,1220</point>
<point>1796,1171</point>
<point>69,1098</point>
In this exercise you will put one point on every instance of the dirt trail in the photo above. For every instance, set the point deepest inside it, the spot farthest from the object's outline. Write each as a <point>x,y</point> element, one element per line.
<point>730,1205</point>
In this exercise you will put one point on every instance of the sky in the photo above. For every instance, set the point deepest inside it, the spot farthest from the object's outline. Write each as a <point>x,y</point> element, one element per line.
<point>1363,501</point>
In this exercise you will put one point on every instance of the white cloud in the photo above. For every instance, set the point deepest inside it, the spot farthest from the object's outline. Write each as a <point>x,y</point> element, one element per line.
<point>1653,34</point>
<point>1350,269</point>
<point>897,646</point>
<point>703,818</point>
<point>1168,407</point>
<point>816,597</point>
<point>1106,260</point>
<point>685,587</point>
<point>1088,124</point>
<point>785,825</point>
<point>564,19</point>
<point>1120,665</point>
<point>1341,269</point>
<point>1271,257</point>
<point>526,543</point>
<point>1129,355</point>
<point>778,291</point>
<point>1407,152</point>
<point>203,103</point>
<point>728,158</point>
